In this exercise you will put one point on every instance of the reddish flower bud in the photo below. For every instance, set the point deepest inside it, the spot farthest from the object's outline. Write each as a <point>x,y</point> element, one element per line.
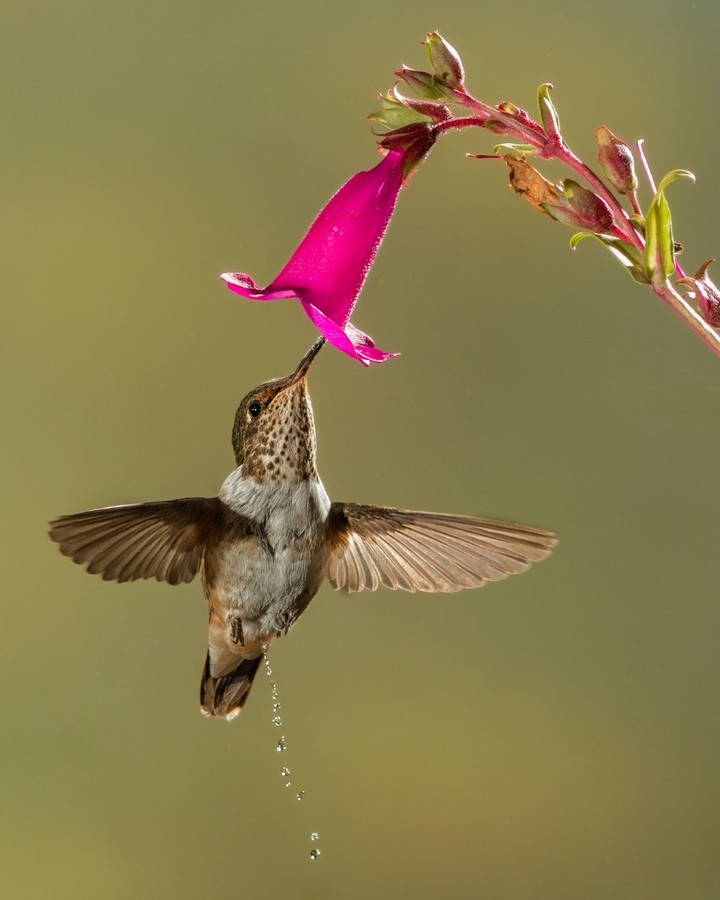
<point>434,111</point>
<point>521,115</point>
<point>584,209</point>
<point>395,111</point>
<point>616,160</point>
<point>569,202</point>
<point>706,293</point>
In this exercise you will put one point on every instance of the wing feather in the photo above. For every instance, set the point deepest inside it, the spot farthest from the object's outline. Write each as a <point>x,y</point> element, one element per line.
<point>424,551</point>
<point>164,540</point>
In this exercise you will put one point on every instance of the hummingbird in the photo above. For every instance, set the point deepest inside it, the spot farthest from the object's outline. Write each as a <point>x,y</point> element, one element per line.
<point>268,540</point>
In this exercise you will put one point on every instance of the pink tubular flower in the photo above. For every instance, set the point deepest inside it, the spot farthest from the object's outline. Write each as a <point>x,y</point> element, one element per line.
<point>328,269</point>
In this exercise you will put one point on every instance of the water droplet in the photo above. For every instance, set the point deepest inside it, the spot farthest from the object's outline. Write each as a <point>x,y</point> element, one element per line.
<point>288,784</point>
<point>285,771</point>
<point>314,853</point>
<point>314,836</point>
<point>277,721</point>
<point>300,795</point>
<point>281,745</point>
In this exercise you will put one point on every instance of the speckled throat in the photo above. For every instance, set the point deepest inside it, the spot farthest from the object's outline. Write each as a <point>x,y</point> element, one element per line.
<point>283,448</point>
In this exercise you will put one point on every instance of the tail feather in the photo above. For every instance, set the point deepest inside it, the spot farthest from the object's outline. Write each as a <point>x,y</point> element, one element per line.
<point>226,695</point>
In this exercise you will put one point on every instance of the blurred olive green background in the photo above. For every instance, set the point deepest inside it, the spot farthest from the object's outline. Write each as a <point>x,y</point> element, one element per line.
<point>553,736</point>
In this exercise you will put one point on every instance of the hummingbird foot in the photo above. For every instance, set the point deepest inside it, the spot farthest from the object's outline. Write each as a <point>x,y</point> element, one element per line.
<point>284,623</point>
<point>236,631</point>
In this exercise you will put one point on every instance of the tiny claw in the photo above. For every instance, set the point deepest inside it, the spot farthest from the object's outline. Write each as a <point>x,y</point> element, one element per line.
<point>236,631</point>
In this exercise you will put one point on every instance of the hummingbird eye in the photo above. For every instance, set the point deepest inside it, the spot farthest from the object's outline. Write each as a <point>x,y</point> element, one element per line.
<point>255,409</point>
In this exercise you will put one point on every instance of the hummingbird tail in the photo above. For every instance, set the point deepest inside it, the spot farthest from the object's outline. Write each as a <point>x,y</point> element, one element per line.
<point>226,695</point>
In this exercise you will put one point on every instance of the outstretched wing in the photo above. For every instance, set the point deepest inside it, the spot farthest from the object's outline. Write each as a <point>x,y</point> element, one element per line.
<point>423,551</point>
<point>164,540</point>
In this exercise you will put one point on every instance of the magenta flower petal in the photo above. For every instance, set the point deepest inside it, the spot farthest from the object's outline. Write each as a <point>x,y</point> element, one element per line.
<point>348,339</point>
<point>329,268</point>
<point>245,286</point>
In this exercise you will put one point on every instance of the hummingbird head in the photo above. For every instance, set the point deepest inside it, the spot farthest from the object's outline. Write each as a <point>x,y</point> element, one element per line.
<point>274,431</point>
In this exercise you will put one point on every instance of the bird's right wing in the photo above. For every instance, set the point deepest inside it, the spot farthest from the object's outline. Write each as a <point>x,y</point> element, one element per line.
<point>423,551</point>
<point>164,540</point>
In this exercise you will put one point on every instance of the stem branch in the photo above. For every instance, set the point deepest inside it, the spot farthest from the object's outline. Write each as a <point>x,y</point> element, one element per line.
<point>678,303</point>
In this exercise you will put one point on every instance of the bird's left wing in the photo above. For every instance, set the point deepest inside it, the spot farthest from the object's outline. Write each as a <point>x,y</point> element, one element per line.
<point>424,551</point>
<point>164,540</point>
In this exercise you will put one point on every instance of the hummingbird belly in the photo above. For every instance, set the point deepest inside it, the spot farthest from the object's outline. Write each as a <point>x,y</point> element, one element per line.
<point>267,579</point>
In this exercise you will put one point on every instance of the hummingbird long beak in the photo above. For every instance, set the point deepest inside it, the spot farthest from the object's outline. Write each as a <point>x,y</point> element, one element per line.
<point>302,369</point>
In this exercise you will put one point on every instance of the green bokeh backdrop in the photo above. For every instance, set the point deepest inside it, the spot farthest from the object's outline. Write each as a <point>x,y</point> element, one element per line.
<point>554,736</point>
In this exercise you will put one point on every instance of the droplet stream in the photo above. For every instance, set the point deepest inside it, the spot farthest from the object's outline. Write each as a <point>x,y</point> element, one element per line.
<point>281,747</point>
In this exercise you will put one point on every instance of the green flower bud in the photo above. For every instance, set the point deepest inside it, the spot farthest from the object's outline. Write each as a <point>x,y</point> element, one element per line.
<point>393,112</point>
<point>445,61</point>
<point>434,111</point>
<point>422,83</point>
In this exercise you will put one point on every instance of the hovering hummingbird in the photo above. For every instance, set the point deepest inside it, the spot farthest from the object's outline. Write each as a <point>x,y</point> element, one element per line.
<point>266,543</point>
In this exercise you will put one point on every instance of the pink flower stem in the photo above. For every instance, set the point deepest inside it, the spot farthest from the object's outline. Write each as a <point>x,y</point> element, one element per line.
<point>635,203</point>
<point>530,132</point>
<point>678,303</point>
<point>646,165</point>
<point>626,226</point>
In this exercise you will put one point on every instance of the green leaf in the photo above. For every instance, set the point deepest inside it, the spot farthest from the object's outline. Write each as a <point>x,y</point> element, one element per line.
<point>548,114</point>
<point>628,255</point>
<point>673,175</point>
<point>515,149</point>
<point>659,261</point>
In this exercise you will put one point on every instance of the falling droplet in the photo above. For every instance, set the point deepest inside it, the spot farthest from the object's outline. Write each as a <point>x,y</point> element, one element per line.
<point>281,746</point>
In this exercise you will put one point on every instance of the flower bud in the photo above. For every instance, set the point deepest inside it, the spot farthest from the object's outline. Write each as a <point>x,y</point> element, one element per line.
<point>589,211</point>
<point>706,293</point>
<point>422,83</point>
<point>616,161</point>
<point>393,112</point>
<point>520,115</point>
<point>569,202</point>
<point>445,61</point>
<point>434,111</point>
